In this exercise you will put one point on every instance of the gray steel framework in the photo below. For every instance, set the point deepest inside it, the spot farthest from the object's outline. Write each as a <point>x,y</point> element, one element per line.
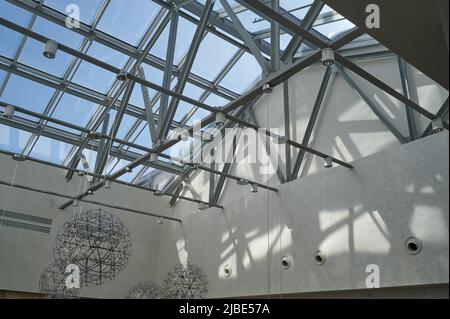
<point>223,24</point>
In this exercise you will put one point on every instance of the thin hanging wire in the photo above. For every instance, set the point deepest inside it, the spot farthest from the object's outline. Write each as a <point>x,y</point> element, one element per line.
<point>267,138</point>
<point>11,187</point>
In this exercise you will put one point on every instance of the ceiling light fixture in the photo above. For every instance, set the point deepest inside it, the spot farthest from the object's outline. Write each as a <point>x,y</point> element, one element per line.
<point>154,158</point>
<point>281,140</point>
<point>92,135</point>
<point>254,188</point>
<point>328,56</point>
<point>108,184</point>
<point>220,119</point>
<point>9,112</point>
<point>242,181</point>
<point>328,162</point>
<point>122,76</point>
<point>437,125</point>
<point>50,49</point>
<point>267,89</point>
<point>19,157</point>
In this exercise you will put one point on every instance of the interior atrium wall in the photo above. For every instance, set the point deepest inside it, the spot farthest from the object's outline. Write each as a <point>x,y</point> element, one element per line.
<point>24,254</point>
<point>358,218</point>
<point>346,127</point>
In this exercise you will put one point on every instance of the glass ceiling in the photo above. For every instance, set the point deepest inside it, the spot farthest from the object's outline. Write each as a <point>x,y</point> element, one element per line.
<point>221,70</point>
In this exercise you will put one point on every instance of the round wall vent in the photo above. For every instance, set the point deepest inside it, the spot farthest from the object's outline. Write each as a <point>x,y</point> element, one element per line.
<point>319,257</point>
<point>286,262</point>
<point>413,245</point>
<point>227,270</point>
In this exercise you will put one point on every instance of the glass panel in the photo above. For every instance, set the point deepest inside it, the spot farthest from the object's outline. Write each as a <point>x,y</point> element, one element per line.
<point>13,13</point>
<point>93,77</point>
<point>9,42</point>
<point>143,139</point>
<point>128,177</point>
<point>128,20</point>
<point>87,8</point>
<point>74,110</point>
<point>333,29</point>
<point>12,139</point>
<point>125,126</point>
<point>218,6</point>
<point>9,39</point>
<point>185,33</point>
<point>252,22</point>
<point>191,91</point>
<point>199,115</point>
<point>215,100</point>
<point>207,65</point>
<point>50,150</point>
<point>107,55</point>
<point>290,5</point>
<point>32,56</point>
<point>244,73</point>
<point>57,33</point>
<point>27,94</point>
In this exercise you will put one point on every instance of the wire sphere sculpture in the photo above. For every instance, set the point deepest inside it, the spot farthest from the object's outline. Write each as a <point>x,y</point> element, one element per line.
<point>97,242</point>
<point>52,284</point>
<point>145,290</point>
<point>186,282</point>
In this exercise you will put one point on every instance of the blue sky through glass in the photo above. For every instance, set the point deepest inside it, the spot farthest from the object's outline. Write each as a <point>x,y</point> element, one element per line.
<point>128,20</point>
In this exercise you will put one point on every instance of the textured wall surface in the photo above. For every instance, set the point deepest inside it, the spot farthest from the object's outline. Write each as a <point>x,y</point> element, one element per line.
<point>356,217</point>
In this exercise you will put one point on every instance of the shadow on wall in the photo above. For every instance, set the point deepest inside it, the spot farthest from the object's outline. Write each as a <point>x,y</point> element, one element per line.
<point>356,219</point>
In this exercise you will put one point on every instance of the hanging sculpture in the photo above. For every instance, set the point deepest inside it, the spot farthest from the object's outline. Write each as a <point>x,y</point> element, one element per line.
<point>186,282</point>
<point>145,290</point>
<point>52,284</point>
<point>97,242</point>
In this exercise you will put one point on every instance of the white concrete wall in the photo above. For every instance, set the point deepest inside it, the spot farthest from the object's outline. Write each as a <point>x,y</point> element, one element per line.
<point>24,254</point>
<point>357,217</point>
